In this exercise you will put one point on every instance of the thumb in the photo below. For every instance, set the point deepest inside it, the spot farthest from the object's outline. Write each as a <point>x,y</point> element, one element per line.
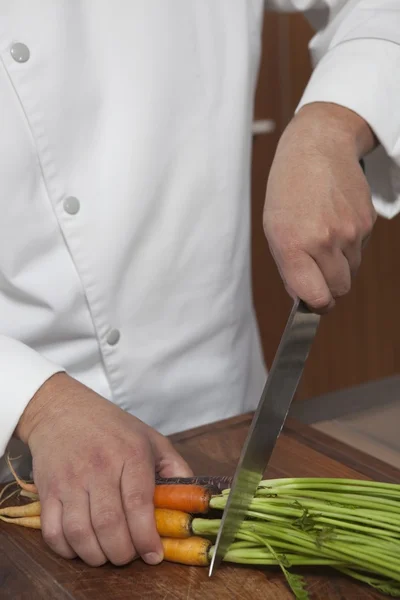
<point>168,462</point>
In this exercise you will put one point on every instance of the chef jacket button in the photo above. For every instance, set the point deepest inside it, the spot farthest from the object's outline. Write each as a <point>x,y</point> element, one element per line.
<point>71,205</point>
<point>113,337</point>
<point>20,52</point>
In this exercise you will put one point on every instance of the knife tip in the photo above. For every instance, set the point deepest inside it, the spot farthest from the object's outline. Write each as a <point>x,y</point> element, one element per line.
<point>212,565</point>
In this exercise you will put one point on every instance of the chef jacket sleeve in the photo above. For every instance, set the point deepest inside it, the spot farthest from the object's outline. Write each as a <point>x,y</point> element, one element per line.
<point>356,59</point>
<point>23,372</point>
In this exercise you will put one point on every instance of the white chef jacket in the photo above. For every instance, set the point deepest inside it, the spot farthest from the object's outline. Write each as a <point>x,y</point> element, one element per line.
<point>125,146</point>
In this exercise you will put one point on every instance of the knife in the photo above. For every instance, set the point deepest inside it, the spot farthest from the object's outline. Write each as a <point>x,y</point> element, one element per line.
<point>267,422</point>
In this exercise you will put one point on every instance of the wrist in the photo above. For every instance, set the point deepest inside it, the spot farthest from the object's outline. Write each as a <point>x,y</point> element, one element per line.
<point>335,125</point>
<point>43,403</point>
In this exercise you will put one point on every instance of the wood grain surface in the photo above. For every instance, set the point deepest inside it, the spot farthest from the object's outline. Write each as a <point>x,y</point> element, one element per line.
<point>30,571</point>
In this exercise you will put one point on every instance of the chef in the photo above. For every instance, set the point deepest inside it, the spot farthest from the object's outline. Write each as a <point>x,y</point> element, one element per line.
<point>125,298</point>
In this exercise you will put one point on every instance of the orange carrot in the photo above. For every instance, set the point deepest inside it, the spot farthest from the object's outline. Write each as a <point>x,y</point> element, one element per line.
<point>24,510</point>
<point>189,498</point>
<point>173,523</point>
<point>191,551</point>
<point>28,487</point>
<point>31,522</point>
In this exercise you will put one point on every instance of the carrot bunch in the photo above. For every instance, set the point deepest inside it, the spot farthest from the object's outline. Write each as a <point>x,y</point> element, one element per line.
<point>352,526</point>
<point>174,508</point>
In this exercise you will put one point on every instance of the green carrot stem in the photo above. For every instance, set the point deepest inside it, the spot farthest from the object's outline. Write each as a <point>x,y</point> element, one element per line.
<point>384,545</point>
<point>352,525</point>
<point>336,483</point>
<point>242,544</point>
<point>386,586</point>
<point>365,556</point>
<point>321,523</point>
<point>377,492</point>
<point>372,514</point>
<point>353,500</point>
<point>359,563</point>
<point>268,559</point>
<point>316,509</point>
<point>289,511</point>
<point>305,542</point>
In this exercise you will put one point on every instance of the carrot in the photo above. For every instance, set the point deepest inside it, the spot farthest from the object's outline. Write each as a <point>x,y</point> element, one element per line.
<point>28,487</point>
<point>173,523</point>
<point>9,496</point>
<point>24,510</point>
<point>31,522</point>
<point>191,551</point>
<point>30,495</point>
<point>189,498</point>
<point>3,491</point>
<point>170,523</point>
<point>216,482</point>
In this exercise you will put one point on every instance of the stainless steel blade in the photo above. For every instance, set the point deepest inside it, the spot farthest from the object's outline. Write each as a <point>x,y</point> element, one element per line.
<point>267,422</point>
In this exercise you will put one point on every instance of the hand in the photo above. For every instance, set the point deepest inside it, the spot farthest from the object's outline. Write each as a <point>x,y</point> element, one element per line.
<point>94,466</point>
<point>318,211</point>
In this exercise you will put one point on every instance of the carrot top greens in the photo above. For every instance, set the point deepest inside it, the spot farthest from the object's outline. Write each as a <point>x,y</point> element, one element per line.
<point>350,525</point>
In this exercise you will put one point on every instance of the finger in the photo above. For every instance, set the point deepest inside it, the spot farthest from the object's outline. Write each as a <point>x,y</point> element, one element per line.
<point>303,278</point>
<point>79,532</point>
<point>168,462</point>
<point>137,491</point>
<point>335,269</point>
<point>52,529</point>
<point>353,255</point>
<point>109,523</point>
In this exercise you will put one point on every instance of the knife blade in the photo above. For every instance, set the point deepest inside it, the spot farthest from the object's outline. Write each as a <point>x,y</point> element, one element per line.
<point>267,423</point>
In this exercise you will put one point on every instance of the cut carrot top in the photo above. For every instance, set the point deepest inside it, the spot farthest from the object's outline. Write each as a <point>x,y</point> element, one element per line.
<point>192,551</point>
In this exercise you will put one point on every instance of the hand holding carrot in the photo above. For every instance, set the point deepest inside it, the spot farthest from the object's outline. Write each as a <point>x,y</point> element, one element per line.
<point>94,467</point>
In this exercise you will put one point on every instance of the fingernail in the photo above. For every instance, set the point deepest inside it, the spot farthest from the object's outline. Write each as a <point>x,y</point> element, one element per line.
<point>152,558</point>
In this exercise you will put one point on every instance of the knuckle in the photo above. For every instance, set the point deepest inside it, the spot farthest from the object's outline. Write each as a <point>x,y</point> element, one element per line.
<point>51,533</point>
<point>351,232</point>
<point>135,499</point>
<point>106,520</point>
<point>75,530</point>
<point>99,460</point>
<point>321,240</point>
<point>368,221</point>
<point>325,239</point>
<point>139,452</point>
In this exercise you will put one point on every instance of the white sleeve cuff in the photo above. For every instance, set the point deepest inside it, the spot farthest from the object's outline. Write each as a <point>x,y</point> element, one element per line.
<point>362,75</point>
<point>22,372</point>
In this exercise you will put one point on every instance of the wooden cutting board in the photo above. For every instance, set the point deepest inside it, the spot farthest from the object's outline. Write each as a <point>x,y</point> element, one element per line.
<point>30,571</point>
